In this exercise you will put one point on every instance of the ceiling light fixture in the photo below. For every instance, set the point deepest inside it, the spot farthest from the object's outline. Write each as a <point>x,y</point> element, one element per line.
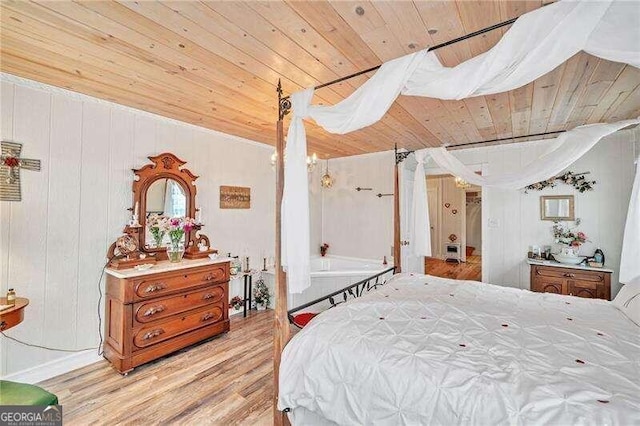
<point>327,180</point>
<point>311,161</point>
<point>461,183</point>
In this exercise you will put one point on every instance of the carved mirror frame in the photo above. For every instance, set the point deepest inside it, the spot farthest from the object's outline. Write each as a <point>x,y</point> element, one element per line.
<point>165,166</point>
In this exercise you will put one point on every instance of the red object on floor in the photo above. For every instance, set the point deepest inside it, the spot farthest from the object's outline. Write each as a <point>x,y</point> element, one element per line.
<point>303,319</point>
<point>470,250</point>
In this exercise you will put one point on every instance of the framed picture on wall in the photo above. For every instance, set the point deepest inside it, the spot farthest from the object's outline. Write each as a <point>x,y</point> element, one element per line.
<point>235,197</point>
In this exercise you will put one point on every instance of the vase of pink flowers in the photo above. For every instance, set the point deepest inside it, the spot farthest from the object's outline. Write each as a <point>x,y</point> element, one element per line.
<point>178,226</point>
<point>568,237</point>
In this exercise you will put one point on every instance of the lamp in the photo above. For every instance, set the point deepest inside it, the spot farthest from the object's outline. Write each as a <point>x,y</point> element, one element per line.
<point>311,161</point>
<point>461,183</point>
<point>326,181</point>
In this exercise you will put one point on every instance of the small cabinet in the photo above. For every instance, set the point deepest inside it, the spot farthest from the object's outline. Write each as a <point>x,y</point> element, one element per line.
<point>593,284</point>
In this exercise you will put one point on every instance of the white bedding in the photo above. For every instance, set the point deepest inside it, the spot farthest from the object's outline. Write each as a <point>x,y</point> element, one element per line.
<point>427,350</point>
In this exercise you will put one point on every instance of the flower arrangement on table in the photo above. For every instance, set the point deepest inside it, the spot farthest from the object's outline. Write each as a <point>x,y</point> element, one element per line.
<point>261,294</point>
<point>565,235</point>
<point>236,303</point>
<point>323,249</point>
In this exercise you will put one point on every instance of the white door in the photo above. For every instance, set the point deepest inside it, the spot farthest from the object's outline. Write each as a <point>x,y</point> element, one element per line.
<point>410,262</point>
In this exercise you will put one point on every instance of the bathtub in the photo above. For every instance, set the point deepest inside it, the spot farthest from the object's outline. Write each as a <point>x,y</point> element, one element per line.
<point>329,274</point>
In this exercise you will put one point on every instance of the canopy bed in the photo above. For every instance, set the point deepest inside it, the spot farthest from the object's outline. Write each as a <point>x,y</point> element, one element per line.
<point>362,335</point>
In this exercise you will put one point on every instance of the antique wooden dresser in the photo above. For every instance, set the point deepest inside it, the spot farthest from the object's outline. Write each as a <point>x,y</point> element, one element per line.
<point>554,277</point>
<point>152,313</point>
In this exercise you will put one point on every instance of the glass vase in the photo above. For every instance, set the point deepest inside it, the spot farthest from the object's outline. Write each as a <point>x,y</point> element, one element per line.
<point>175,252</point>
<point>157,238</point>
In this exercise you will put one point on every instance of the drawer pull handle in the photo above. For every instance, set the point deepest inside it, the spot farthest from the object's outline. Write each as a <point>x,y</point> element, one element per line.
<point>208,296</point>
<point>209,277</point>
<point>155,287</point>
<point>207,316</point>
<point>569,275</point>
<point>153,333</point>
<point>154,310</point>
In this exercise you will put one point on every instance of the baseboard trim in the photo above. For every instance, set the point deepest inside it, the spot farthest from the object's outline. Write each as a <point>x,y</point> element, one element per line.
<point>54,368</point>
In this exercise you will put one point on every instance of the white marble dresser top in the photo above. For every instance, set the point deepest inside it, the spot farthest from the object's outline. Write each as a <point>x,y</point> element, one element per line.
<point>564,265</point>
<point>165,266</point>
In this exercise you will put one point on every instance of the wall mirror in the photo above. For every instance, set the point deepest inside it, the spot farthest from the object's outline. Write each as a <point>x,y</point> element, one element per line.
<point>557,207</point>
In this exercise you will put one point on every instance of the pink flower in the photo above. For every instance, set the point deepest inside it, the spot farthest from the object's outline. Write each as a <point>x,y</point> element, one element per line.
<point>582,235</point>
<point>187,227</point>
<point>175,221</point>
<point>575,243</point>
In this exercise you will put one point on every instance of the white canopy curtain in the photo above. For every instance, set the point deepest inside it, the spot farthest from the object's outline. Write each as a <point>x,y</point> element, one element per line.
<point>564,151</point>
<point>421,241</point>
<point>537,43</point>
<point>630,257</point>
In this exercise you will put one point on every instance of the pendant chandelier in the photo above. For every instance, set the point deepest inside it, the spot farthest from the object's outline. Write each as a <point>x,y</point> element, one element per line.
<point>461,183</point>
<point>326,181</point>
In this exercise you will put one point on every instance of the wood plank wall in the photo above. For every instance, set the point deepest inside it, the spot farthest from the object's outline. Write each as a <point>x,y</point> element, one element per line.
<point>53,243</point>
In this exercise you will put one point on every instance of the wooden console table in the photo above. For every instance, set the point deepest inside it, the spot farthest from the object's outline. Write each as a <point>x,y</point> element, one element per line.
<point>12,316</point>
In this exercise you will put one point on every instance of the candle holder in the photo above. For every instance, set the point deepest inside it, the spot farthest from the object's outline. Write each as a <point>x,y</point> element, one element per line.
<point>247,268</point>
<point>134,221</point>
<point>264,264</point>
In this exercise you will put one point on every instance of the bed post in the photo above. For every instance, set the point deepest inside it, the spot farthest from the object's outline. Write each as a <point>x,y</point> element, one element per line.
<point>397,261</point>
<point>281,329</point>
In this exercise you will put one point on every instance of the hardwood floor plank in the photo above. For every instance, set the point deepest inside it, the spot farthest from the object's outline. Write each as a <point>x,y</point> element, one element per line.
<point>471,270</point>
<point>226,380</point>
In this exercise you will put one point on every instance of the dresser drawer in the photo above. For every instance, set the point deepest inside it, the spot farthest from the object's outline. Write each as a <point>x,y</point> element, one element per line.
<point>586,276</point>
<point>568,273</point>
<point>153,310</point>
<point>151,334</point>
<point>163,284</point>
<point>550,272</point>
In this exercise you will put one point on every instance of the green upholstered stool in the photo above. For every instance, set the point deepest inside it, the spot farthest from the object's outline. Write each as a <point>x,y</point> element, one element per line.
<point>12,393</point>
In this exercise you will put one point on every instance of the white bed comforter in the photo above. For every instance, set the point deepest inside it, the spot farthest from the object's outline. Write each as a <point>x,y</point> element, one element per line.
<point>427,350</point>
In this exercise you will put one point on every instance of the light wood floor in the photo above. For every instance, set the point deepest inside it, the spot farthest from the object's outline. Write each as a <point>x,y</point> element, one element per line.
<point>225,381</point>
<point>471,270</point>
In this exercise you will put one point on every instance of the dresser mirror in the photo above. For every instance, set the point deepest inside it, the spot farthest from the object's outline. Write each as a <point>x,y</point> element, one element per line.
<point>557,207</point>
<point>165,197</point>
<point>163,188</point>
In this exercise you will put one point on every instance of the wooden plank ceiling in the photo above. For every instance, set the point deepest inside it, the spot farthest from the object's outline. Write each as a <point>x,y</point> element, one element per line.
<point>215,64</point>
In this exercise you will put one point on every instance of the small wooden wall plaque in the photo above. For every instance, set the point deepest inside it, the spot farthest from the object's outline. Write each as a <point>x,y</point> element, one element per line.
<point>235,197</point>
